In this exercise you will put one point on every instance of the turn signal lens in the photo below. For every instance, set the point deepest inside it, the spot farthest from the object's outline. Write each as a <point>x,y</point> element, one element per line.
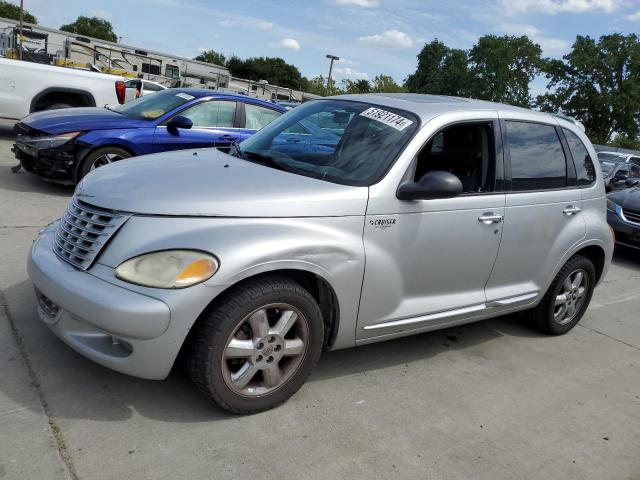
<point>168,269</point>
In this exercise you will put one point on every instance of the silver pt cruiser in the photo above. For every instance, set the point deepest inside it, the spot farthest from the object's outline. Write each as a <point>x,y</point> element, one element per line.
<point>407,213</point>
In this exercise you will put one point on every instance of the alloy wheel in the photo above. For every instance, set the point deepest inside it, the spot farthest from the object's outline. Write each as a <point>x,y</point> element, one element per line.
<point>571,296</point>
<point>105,159</point>
<point>265,350</point>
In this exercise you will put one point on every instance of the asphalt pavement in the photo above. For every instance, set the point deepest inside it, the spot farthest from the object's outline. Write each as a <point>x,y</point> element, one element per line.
<point>490,400</point>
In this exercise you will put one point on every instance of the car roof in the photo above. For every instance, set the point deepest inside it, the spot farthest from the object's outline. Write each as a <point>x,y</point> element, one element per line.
<point>428,106</point>
<point>205,92</point>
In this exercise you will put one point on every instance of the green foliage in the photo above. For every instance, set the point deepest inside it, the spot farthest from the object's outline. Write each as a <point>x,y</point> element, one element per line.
<point>623,141</point>
<point>385,84</point>
<point>317,85</point>
<point>496,68</point>
<point>441,71</point>
<point>9,10</point>
<point>598,83</point>
<point>211,56</point>
<point>92,27</point>
<point>272,69</point>
<point>356,86</point>
<point>502,68</point>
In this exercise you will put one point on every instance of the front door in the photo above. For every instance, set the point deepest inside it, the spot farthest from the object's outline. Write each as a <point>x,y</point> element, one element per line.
<point>213,126</point>
<point>428,263</point>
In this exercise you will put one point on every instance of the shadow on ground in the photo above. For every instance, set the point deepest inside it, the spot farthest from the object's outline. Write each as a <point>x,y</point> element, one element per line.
<point>24,181</point>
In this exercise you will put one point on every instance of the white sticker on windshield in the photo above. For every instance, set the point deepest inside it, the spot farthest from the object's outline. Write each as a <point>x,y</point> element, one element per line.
<point>393,120</point>
<point>186,96</point>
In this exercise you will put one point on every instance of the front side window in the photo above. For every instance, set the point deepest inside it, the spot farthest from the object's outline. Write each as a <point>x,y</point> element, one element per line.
<point>212,114</point>
<point>585,171</point>
<point>350,143</point>
<point>537,158</point>
<point>467,151</point>
<point>257,117</point>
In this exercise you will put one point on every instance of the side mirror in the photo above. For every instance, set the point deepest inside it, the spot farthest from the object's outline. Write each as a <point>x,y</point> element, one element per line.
<point>632,182</point>
<point>436,184</point>
<point>179,122</point>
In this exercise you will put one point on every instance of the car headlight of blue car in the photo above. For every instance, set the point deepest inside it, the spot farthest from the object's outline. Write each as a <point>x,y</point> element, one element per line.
<point>612,206</point>
<point>50,141</point>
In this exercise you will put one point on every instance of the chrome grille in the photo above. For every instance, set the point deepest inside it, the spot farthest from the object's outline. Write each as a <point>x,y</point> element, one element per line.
<point>631,215</point>
<point>83,231</point>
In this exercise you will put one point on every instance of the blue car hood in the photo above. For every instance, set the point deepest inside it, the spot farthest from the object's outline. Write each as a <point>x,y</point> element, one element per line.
<point>80,119</point>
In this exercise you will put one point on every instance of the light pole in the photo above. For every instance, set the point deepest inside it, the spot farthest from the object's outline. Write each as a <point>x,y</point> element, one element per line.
<point>332,58</point>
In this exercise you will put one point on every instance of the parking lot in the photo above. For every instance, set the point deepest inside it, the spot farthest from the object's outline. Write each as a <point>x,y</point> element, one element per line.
<point>489,400</point>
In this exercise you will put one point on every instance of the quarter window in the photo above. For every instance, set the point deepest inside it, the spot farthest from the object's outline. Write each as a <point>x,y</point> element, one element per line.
<point>537,158</point>
<point>585,171</point>
<point>257,117</point>
<point>212,114</point>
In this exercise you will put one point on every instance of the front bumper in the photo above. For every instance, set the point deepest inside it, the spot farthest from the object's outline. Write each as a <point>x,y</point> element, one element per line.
<point>113,326</point>
<point>57,164</point>
<point>627,233</point>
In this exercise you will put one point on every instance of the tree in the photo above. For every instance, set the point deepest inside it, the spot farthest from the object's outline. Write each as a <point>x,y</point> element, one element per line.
<point>9,10</point>
<point>91,27</point>
<point>272,69</point>
<point>356,86</point>
<point>598,83</point>
<point>623,141</point>
<point>502,68</point>
<point>317,85</point>
<point>441,71</point>
<point>211,56</point>
<point>385,84</point>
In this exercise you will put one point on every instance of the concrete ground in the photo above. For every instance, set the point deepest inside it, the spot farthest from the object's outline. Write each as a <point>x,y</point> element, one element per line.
<point>491,400</point>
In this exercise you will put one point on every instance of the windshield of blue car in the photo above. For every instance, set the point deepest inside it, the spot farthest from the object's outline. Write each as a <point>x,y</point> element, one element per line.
<point>608,167</point>
<point>340,141</point>
<point>150,107</point>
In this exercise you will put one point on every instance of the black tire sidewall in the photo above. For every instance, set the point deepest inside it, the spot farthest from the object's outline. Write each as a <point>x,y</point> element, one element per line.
<point>575,264</point>
<point>85,166</point>
<point>222,394</point>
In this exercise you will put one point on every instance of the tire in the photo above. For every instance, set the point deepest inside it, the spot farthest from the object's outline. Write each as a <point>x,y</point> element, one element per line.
<point>100,157</point>
<point>245,367</point>
<point>57,106</point>
<point>546,317</point>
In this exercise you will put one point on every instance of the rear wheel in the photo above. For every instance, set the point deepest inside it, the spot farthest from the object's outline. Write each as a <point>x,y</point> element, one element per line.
<point>101,157</point>
<point>256,347</point>
<point>57,106</point>
<point>567,298</point>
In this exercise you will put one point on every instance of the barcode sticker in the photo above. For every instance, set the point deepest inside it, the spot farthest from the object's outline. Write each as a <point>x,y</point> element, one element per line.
<point>388,118</point>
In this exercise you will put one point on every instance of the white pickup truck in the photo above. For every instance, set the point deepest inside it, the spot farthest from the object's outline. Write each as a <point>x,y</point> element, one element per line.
<point>27,87</point>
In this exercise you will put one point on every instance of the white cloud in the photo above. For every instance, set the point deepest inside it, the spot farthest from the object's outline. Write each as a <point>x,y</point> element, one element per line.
<point>288,43</point>
<point>634,17</point>
<point>550,45</point>
<point>100,14</point>
<point>552,7</point>
<point>350,73</point>
<point>357,3</point>
<point>261,24</point>
<point>388,39</point>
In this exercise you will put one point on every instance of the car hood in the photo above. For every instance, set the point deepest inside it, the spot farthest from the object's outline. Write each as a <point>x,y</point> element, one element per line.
<point>80,119</point>
<point>207,182</point>
<point>628,198</point>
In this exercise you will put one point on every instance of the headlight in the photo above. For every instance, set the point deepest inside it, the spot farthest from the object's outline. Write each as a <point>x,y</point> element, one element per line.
<point>51,141</point>
<point>168,269</point>
<point>611,205</point>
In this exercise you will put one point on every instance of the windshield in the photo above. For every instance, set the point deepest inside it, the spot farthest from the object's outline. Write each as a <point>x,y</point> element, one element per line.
<point>612,157</point>
<point>151,107</point>
<point>340,141</point>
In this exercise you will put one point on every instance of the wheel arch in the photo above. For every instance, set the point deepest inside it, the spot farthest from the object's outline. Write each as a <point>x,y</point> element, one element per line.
<point>61,94</point>
<point>597,256</point>
<point>318,286</point>
<point>82,155</point>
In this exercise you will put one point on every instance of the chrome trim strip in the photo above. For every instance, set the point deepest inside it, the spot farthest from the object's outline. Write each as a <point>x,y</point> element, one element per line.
<point>505,302</point>
<point>427,318</point>
<point>620,212</point>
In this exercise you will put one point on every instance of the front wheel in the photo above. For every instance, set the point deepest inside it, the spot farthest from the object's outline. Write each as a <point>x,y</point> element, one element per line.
<point>101,157</point>
<point>567,298</point>
<point>256,347</point>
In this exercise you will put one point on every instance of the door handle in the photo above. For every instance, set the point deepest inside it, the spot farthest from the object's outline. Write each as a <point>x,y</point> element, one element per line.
<point>570,210</point>
<point>489,218</point>
<point>229,137</point>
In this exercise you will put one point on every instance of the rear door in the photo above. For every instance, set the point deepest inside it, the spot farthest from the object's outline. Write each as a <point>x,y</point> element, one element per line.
<point>214,125</point>
<point>542,219</point>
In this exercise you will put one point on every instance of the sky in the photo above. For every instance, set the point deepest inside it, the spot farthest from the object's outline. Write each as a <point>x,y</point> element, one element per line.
<point>370,36</point>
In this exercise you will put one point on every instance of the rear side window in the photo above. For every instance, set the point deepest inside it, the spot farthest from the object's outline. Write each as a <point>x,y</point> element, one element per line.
<point>257,117</point>
<point>537,158</point>
<point>585,171</point>
<point>211,114</point>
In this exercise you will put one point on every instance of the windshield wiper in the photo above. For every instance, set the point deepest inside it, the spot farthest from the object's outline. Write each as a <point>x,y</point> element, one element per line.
<point>235,149</point>
<point>270,162</point>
